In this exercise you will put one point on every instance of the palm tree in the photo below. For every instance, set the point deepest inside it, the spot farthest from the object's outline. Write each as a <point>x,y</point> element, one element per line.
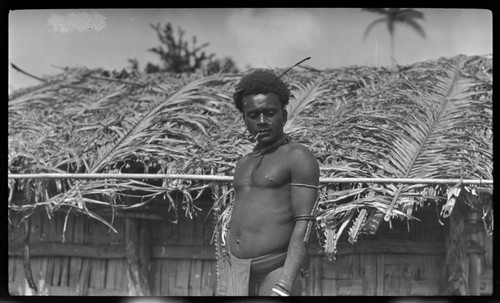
<point>393,16</point>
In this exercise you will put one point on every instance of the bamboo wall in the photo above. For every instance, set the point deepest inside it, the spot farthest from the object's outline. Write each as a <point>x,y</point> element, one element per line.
<point>93,261</point>
<point>391,263</point>
<point>183,260</point>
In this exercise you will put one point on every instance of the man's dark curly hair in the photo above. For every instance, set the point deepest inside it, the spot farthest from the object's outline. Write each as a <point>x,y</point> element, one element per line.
<point>261,82</point>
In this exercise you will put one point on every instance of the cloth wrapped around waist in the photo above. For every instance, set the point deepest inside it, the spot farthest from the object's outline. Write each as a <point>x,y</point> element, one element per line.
<point>268,262</point>
<point>235,272</point>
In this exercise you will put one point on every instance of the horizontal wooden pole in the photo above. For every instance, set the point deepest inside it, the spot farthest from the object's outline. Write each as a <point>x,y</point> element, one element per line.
<point>183,252</point>
<point>121,176</point>
<point>208,252</point>
<point>230,178</point>
<point>392,247</point>
<point>70,250</point>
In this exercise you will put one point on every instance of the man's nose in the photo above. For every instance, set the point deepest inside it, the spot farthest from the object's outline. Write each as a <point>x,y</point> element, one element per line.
<point>262,119</point>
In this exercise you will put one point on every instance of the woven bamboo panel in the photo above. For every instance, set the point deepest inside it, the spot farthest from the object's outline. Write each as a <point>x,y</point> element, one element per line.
<point>183,260</point>
<point>190,277</point>
<point>68,275</point>
<point>381,274</point>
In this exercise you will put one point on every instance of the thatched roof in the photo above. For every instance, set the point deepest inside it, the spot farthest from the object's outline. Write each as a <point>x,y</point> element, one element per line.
<point>427,120</point>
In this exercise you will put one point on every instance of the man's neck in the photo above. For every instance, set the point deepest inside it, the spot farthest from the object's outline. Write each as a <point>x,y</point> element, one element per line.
<point>260,149</point>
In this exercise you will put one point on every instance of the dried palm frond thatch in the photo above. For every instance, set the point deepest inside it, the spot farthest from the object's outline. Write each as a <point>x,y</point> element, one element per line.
<point>153,130</point>
<point>434,131</point>
<point>428,120</point>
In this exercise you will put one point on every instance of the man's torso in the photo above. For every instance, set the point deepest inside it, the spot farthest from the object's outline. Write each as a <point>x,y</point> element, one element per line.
<point>262,217</point>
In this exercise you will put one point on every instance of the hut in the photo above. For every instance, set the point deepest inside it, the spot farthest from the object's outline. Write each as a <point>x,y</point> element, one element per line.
<point>405,203</point>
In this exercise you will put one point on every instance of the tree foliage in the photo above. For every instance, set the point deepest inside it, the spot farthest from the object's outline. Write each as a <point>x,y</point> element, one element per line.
<point>177,55</point>
<point>392,16</point>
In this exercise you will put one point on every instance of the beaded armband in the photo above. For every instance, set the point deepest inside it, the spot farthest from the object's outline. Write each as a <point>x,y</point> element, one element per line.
<point>310,219</point>
<point>304,217</point>
<point>304,185</point>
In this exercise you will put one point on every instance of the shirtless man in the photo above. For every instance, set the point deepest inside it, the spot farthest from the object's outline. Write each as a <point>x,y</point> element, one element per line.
<point>275,191</point>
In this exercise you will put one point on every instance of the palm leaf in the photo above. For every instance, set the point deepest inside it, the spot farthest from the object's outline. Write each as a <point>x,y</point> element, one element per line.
<point>372,25</point>
<point>415,26</point>
<point>356,227</point>
<point>382,11</point>
<point>143,136</point>
<point>137,129</point>
<point>428,150</point>
<point>404,14</point>
<point>438,133</point>
<point>302,97</point>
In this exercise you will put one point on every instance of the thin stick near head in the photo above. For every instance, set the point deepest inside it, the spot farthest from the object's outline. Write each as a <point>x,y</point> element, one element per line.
<point>288,69</point>
<point>237,96</point>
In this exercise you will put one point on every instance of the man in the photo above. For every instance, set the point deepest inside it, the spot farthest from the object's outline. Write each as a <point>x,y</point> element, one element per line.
<point>275,191</point>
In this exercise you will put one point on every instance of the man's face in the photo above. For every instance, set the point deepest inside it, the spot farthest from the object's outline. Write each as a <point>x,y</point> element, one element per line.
<point>264,117</point>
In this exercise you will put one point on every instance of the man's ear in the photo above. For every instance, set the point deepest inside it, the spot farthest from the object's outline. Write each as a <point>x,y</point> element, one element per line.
<point>285,114</point>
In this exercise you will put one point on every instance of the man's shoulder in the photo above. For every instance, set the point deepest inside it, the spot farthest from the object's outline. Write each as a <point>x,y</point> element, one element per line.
<point>295,147</point>
<point>302,161</point>
<point>243,158</point>
<point>298,152</point>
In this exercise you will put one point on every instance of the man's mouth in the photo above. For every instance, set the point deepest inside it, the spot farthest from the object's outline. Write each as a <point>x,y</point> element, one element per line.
<point>262,133</point>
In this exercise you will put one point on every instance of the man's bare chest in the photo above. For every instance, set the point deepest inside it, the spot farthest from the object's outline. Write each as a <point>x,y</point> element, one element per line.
<point>268,171</point>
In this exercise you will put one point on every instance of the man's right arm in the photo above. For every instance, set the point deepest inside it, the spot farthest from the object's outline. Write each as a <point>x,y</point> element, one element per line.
<point>304,169</point>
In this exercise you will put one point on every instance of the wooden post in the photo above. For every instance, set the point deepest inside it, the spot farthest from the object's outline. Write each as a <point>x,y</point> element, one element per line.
<point>474,250</point>
<point>138,256</point>
<point>455,269</point>
<point>26,255</point>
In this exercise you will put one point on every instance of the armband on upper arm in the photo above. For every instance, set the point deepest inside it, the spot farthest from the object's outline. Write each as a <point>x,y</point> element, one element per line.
<point>310,217</point>
<point>304,185</point>
<point>304,217</point>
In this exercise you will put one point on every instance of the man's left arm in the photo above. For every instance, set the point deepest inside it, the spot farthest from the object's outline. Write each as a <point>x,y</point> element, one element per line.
<point>304,170</point>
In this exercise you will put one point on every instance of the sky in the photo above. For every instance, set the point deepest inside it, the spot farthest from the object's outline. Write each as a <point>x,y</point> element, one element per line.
<point>40,41</point>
